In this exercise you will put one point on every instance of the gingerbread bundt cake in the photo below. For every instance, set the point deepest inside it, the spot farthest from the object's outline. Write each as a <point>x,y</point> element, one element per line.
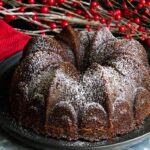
<point>89,86</point>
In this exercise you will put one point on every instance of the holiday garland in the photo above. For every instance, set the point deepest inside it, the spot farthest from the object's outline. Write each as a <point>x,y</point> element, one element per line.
<point>125,18</point>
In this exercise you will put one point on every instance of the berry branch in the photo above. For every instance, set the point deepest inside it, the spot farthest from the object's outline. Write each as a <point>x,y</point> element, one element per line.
<point>126,18</point>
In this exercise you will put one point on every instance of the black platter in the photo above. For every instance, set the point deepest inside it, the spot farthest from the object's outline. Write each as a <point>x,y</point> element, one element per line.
<point>8,124</point>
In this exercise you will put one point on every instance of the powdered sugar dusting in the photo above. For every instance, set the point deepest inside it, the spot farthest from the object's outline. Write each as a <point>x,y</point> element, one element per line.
<point>85,42</point>
<point>38,43</point>
<point>100,37</point>
<point>68,89</point>
<point>37,62</point>
<point>117,66</point>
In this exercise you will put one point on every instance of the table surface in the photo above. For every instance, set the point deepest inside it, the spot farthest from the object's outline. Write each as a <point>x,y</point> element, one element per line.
<point>7,143</point>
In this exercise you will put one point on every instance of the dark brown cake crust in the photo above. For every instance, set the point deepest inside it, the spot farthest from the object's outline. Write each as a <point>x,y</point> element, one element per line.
<point>89,86</point>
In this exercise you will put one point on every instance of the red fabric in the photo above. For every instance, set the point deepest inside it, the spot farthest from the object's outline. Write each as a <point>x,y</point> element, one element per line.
<point>11,41</point>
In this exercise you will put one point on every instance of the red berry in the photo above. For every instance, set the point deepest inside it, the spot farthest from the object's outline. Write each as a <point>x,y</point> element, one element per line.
<point>1,4</point>
<point>96,17</point>
<point>135,11</point>
<point>79,11</point>
<point>74,4</point>
<point>130,1</point>
<point>140,6</point>
<point>87,26</point>
<point>22,9</point>
<point>69,14</point>
<point>127,36</point>
<point>122,28</point>
<point>44,9</point>
<point>86,15</point>
<point>143,38</point>
<point>148,41</point>
<point>141,29</point>
<point>94,4</point>
<point>52,25</point>
<point>9,18</point>
<point>144,35</point>
<point>92,11</point>
<point>102,20</point>
<point>51,2</point>
<point>31,1</point>
<point>35,17</point>
<point>60,1</point>
<point>117,12</point>
<point>142,2</point>
<point>129,24</point>
<point>89,30</point>
<point>148,3</point>
<point>13,17</point>
<point>64,23</point>
<point>147,11</point>
<point>137,20</point>
<point>118,17</point>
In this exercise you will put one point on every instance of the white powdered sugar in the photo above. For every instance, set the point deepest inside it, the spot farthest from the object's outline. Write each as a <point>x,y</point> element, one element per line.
<point>110,71</point>
<point>39,43</point>
<point>114,70</point>
<point>85,43</point>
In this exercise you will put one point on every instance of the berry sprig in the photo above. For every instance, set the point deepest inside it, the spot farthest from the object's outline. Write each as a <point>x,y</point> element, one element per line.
<point>132,17</point>
<point>126,18</point>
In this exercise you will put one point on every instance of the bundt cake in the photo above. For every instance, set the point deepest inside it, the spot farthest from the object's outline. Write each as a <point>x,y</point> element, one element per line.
<point>85,85</point>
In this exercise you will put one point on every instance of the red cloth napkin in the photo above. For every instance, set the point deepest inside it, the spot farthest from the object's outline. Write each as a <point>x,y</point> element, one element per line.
<point>11,41</point>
